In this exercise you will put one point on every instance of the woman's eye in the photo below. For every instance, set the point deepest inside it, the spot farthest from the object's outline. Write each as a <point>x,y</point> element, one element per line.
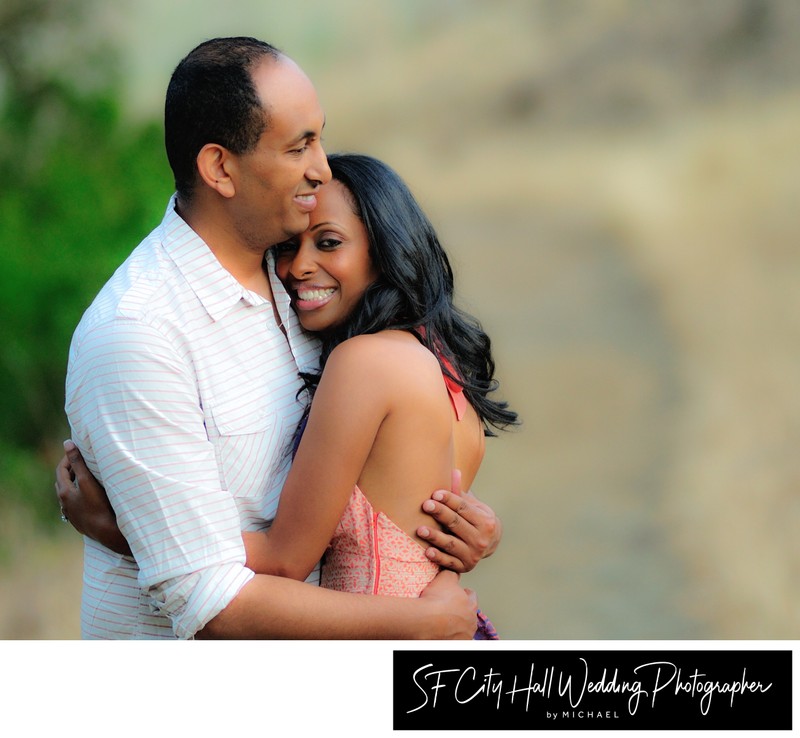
<point>328,243</point>
<point>282,249</point>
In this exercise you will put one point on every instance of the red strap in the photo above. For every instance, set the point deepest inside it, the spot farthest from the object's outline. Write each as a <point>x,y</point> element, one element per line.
<point>455,390</point>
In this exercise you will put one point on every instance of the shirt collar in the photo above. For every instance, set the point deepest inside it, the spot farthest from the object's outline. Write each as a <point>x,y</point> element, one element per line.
<point>283,302</point>
<point>282,299</point>
<point>304,345</point>
<point>216,288</point>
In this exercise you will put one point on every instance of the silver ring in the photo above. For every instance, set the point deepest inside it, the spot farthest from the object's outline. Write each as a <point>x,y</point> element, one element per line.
<point>64,518</point>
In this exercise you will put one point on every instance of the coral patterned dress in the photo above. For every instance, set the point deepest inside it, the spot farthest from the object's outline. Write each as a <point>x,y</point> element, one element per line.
<point>369,554</point>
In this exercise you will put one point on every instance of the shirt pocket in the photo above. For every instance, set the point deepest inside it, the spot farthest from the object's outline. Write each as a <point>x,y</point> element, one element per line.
<point>249,440</point>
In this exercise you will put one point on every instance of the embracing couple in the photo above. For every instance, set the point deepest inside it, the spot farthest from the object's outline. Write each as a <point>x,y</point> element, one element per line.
<point>240,413</point>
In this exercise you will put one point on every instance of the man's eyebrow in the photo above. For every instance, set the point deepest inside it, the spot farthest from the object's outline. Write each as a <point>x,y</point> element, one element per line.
<point>307,134</point>
<point>302,137</point>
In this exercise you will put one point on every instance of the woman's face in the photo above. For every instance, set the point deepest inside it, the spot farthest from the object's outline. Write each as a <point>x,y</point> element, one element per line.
<point>326,269</point>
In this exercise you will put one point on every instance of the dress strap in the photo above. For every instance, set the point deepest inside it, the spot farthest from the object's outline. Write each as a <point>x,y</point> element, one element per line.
<point>455,390</point>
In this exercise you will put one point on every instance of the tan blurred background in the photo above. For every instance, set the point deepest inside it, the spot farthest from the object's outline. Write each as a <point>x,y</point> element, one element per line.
<point>617,183</point>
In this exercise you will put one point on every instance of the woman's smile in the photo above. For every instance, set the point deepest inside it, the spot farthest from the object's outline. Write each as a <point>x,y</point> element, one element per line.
<point>327,268</point>
<point>311,297</point>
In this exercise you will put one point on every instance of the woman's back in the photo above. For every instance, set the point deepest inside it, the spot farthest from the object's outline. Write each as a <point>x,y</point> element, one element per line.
<point>419,441</point>
<point>420,438</point>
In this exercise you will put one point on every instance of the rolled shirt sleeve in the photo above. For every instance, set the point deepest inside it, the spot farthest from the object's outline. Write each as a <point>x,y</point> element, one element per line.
<point>183,395</point>
<point>143,432</point>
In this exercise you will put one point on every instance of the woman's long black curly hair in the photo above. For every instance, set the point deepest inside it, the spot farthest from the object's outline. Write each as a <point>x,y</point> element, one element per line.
<point>414,289</point>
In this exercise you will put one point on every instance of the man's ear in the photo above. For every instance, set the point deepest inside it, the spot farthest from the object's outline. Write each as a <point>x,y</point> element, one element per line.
<point>215,165</point>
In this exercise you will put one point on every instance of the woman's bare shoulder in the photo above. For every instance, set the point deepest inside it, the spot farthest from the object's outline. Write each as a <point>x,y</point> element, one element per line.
<point>389,358</point>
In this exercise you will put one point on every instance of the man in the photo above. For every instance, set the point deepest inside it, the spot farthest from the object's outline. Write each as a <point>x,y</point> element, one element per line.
<point>182,381</point>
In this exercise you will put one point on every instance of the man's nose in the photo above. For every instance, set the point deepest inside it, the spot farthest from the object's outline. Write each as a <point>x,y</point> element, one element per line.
<point>319,172</point>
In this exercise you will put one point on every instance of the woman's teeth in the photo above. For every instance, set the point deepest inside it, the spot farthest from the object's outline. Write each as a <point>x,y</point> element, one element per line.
<point>312,295</point>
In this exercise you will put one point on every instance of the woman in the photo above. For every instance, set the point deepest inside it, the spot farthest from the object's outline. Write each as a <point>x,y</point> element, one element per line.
<point>401,398</point>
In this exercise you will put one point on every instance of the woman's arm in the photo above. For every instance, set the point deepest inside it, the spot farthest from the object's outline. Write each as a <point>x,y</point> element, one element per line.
<point>351,402</point>
<point>475,530</point>
<point>472,530</point>
<point>349,406</point>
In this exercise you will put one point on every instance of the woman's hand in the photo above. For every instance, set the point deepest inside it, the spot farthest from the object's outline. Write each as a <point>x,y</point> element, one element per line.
<point>84,503</point>
<point>471,532</point>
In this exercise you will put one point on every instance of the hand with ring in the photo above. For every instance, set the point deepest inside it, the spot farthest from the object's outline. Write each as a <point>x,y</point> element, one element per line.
<point>84,503</point>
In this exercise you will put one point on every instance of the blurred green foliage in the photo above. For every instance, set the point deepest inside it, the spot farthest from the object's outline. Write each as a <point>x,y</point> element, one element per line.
<point>79,187</point>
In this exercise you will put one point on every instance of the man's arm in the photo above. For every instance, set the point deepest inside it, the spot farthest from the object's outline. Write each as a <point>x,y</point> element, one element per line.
<point>133,404</point>
<point>475,530</point>
<point>277,607</point>
<point>274,607</point>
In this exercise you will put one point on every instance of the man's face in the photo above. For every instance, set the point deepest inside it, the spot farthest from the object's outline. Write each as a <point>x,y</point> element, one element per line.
<point>277,181</point>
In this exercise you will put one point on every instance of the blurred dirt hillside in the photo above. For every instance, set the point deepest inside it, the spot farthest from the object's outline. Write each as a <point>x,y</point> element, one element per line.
<point>618,186</point>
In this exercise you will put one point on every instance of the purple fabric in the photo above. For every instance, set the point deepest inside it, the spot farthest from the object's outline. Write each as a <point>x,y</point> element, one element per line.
<point>486,631</point>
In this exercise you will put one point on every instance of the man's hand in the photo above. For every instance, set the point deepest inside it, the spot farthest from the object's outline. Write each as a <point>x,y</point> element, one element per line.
<point>84,502</point>
<point>456,609</point>
<point>471,532</point>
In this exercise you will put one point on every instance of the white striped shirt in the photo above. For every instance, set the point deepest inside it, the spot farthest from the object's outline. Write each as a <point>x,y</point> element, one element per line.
<point>182,396</point>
